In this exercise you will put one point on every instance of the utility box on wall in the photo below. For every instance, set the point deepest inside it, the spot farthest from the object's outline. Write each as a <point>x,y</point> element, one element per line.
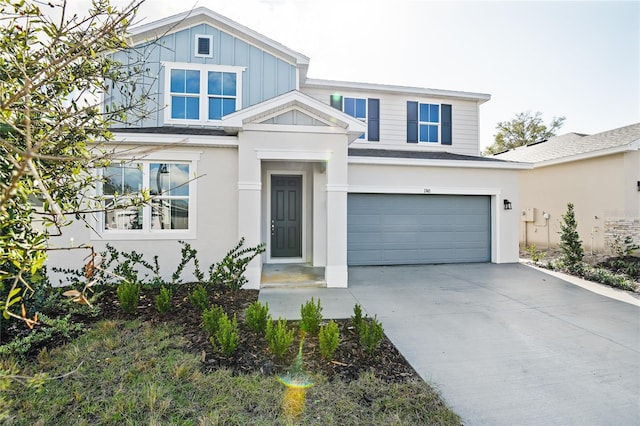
<point>529,215</point>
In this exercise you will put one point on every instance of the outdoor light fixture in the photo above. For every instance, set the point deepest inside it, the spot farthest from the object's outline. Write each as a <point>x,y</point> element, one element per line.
<point>507,205</point>
<point>639,186</point>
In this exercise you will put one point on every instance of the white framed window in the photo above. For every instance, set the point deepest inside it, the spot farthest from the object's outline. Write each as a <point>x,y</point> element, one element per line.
<point>357,108</point>
<point>203,46</point>
<point>171,182</point>
<point>429,123</point>
<point>202,94</point>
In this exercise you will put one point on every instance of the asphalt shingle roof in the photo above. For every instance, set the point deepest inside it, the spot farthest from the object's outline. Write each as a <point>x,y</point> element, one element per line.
<point>427,155</point>
<point>571,144</point>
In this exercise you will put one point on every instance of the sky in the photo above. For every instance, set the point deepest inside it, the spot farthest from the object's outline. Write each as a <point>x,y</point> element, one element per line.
<point>580,60</point>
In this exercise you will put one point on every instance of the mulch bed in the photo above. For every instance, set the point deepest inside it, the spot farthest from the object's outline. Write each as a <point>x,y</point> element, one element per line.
<point>252,356</point>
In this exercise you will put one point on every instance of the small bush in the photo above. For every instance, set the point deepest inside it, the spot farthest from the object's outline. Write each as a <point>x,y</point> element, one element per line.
<point>199,298</point>
<point>622,248</point>
<point>257,316</point>
<point>356,319</point>
<point>279,338</point>
<point>129,296</point>
<point>226,338</point>
<point>211,318</point>
<point>41,335</point>
<point>229,272</point>
<point>371,335</point>
<point>536,256</point>
<point>329,338</point>
<point>163,300</point>
<point>311,314</point>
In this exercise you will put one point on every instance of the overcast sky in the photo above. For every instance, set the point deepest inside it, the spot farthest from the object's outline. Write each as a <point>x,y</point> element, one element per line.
<point>575,59</point>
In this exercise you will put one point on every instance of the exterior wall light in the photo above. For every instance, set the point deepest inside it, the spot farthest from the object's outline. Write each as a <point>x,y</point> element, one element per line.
<point>507,204</point>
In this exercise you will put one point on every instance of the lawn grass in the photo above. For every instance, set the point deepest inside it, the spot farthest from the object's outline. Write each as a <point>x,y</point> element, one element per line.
<point>133,373</point>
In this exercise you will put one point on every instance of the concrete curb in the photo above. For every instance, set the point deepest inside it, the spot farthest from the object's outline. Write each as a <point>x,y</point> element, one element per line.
<point>601,289</point>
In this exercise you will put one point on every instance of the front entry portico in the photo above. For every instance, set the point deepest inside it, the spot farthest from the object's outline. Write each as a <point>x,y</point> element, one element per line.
<point>292,183</point>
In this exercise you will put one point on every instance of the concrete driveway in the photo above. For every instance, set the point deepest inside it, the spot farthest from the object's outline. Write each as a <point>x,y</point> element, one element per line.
<point>505,344</point>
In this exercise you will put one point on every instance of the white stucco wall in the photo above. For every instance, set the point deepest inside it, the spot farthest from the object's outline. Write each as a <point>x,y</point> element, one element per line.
<point>216,216</point>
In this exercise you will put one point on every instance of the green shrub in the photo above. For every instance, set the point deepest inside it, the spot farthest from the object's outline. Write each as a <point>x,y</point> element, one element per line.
<point>257,316</point>
<point>41,334</point>
<point>311,315</point>
<point>129,296</point>
<point>226,338</point>
<point>163,300</point>
<point>622,248</point>
<point>188,254</point>
<point>371,335</point>
<point>229,272</point>
<point>211,318</point>
<point>279,338</point>
<point>356,319</point>
<point>570,242</point>
<point>536,256</point>
<point>199,298</point>
<point>329,338</point>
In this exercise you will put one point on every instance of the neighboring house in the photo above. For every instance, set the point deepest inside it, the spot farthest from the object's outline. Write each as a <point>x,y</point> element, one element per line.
<point>327,173</point>
<point>599,174</point>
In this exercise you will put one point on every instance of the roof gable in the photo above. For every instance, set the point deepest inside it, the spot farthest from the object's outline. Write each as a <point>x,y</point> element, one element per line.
<point>204,15</point>
<point>303,109</point>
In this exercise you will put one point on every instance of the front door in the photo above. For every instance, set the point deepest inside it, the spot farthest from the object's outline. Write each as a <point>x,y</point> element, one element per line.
<point>286,212</point>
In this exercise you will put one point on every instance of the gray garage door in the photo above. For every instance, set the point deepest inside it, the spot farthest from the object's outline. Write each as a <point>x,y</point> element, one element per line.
<point>401,229</point>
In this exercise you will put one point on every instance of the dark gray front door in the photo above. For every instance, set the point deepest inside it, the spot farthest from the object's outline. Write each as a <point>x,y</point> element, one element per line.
<point>402,229</point>
<point>286,212</point>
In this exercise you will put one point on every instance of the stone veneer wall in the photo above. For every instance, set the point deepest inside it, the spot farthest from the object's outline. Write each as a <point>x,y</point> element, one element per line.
<point>621,227</point>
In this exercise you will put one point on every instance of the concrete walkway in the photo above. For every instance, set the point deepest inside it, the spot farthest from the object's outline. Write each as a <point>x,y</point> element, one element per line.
<point>505,344</point>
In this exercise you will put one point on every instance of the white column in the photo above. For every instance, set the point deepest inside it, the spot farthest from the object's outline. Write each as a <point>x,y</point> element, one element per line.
<point>249,209</point>
<point>337,185</point>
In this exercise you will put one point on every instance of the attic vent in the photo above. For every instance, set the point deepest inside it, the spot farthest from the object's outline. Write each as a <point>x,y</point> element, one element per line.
<point>204,46</point>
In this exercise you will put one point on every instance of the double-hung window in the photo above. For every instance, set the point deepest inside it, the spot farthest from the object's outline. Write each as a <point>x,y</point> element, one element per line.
<point>170,210</point>
<point>201,94</point>
<point>366,110</point>
<point>429,122</point>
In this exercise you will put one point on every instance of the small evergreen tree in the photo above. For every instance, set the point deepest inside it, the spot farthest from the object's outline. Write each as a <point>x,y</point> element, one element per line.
<point>570,242</point>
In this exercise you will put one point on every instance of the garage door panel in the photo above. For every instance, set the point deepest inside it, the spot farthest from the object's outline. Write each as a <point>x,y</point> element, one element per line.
<point>388,229</point>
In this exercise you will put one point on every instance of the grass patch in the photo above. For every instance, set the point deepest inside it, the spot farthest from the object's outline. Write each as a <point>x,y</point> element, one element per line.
<point>136,373</point>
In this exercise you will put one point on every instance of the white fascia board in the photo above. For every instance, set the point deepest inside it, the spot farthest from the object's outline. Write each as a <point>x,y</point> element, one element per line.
<point>468,164</point>
<point>178,140</point>
<point>200,15</point>
<point>293,155</point>
<point>630,147</point>
<point>388,88</point>
<point>288,100</point>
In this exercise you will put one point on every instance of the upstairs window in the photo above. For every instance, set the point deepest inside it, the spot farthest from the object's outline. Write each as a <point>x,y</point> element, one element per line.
<point>366,110</point>
<point>221,89</point>
<point>429,123</point>
<point>204,46</point>
<point>202,93</point>
<point>185,94</point>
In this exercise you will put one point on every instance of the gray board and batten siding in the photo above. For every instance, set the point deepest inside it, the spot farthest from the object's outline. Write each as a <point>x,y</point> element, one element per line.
<point>265,77</point>
<point>401,229</point>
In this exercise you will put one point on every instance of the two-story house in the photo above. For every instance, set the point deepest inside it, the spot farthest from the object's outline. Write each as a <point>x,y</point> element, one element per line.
<point>327,173</point>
